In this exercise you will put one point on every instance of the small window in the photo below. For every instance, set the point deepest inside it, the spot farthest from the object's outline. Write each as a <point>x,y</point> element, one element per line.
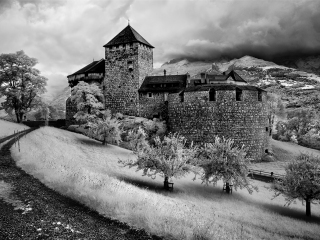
<point>212,95</point>
<point>150,95</point>
<point>130,65</point>
<point>181,95</point>
<point>238,94</point>
<point>267,129</point>
<point>266,151</point>
<point>259,96</point>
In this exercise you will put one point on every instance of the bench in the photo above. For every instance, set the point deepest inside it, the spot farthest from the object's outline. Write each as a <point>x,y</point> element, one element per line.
<point>168,186</point>
<point>227,187</point>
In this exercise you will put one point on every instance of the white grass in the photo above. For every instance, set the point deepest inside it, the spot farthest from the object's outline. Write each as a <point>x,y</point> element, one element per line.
<point>8,128</point>
<point>85,170</point>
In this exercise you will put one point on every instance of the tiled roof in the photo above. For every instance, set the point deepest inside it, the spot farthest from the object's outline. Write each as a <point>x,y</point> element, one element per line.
<point>168,83</point>
<point>127,35</point>
<point>218,87</point>
<point>220,77</point>
<point>94,67</point>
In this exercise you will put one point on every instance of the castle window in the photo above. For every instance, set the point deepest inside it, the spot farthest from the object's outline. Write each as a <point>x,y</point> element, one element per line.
<point>181,95</point>
<point>259,95</point>
<point>130,65</point>
<point>212,95</point>
<point>238,94</point>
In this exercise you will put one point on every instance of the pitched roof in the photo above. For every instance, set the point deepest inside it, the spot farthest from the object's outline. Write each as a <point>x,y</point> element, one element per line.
<point>94,67</point>
<point>235,76</point>
<point>127,35</point>
<point>168,83</point>
<point>218,87</point>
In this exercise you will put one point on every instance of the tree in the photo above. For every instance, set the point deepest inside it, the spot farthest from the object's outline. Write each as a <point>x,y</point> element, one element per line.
<point>302,181</point>
<point>222,160</point>
<point>88,98</point>
<point>105,128</point>
<point>20,83</point>
<point>170,157</point>
<point>275,108</point>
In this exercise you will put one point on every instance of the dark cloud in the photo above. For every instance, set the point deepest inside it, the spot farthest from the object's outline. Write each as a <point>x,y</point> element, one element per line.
<point>66,35</point>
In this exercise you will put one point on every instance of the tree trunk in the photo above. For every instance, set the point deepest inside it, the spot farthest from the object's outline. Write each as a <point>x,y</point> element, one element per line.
<point>104,142</point>
<point>308,207</point>
<point>19,117</point>
<point>165,183</point>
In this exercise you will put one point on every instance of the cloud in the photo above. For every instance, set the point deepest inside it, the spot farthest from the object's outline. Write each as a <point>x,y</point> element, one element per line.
<point>66,35</point>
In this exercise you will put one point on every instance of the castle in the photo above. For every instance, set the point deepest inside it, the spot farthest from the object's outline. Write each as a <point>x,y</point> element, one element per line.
<point>197,107</point>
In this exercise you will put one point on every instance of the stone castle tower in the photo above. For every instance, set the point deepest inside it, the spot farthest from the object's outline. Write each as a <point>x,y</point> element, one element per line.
<point>128,60</point>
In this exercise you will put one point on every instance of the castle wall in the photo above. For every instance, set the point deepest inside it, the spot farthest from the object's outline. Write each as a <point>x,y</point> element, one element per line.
<point>151,106</point>
<point>121,81</point>
<point>200,120</point>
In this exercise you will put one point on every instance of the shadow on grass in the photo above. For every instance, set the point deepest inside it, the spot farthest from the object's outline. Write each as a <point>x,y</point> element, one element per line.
<point>292,213</point>
<point>148,184</point>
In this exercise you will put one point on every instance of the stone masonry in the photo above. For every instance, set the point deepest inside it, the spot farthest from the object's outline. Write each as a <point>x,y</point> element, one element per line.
<point>200,120</point>
<point>126,67</point>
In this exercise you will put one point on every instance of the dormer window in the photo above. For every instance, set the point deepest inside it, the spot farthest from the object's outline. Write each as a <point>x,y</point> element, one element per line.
<point>238,94</point>
<point>130,65</point>
<point>259,96</point>
<point>212,95</point>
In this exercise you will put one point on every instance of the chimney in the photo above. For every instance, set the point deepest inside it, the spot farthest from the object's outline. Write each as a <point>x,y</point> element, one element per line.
<point>203,75</point>
<point>164,72</point>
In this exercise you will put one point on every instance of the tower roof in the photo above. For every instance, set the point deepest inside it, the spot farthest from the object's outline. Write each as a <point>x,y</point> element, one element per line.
<point>127,35</point>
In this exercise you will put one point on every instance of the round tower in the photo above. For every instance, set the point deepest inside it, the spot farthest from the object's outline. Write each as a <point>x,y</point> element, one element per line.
<point>234,111</point>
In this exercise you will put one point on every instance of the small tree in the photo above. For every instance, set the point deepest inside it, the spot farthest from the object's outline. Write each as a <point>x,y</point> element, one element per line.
<point>105,128</point>
<point>222,160</point>
<point>169,157</point>
<point>302,181</point>
<point>88,98</point>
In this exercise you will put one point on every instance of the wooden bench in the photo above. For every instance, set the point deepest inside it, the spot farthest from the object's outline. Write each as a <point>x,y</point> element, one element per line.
<point>227,187</point>
<point>169,186</point>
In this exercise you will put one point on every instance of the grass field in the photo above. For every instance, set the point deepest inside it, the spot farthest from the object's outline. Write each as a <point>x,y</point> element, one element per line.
<point>8,128</point>
<point>85,170</point>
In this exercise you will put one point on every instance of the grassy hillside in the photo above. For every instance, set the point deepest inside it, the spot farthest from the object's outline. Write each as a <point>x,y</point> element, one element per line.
<point>8,128</point>
<point>85,170</point>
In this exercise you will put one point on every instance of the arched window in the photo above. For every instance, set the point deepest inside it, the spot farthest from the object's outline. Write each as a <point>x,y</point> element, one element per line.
<point>181,95</point>
<point>212,95</point>
<point>259,95</point>
<point>238,94</point>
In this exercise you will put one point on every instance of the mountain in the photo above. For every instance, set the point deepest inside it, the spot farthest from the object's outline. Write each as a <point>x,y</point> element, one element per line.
<point>310,64</point>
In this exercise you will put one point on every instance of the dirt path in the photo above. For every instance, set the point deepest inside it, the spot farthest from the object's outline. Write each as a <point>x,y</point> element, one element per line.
<point>33,211</point>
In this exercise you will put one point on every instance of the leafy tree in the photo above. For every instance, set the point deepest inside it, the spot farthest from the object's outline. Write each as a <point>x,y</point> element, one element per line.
<point>275,108</point>
<point>222,160</point>
<point>302,181</point>
<point>88,98</point>
<point>20,83</point>
<point>170,157</point>
<point>105,128</point>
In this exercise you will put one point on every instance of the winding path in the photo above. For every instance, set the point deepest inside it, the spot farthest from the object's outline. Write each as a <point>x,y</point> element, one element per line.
<point>50,215</point>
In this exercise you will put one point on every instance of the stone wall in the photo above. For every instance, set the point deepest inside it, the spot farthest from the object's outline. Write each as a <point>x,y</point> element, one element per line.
<point>154,106</point>
<point>200,120</point>
<point>121,81</point>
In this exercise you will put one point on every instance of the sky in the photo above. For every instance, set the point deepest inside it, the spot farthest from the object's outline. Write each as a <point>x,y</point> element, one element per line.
<point>66,35</point>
